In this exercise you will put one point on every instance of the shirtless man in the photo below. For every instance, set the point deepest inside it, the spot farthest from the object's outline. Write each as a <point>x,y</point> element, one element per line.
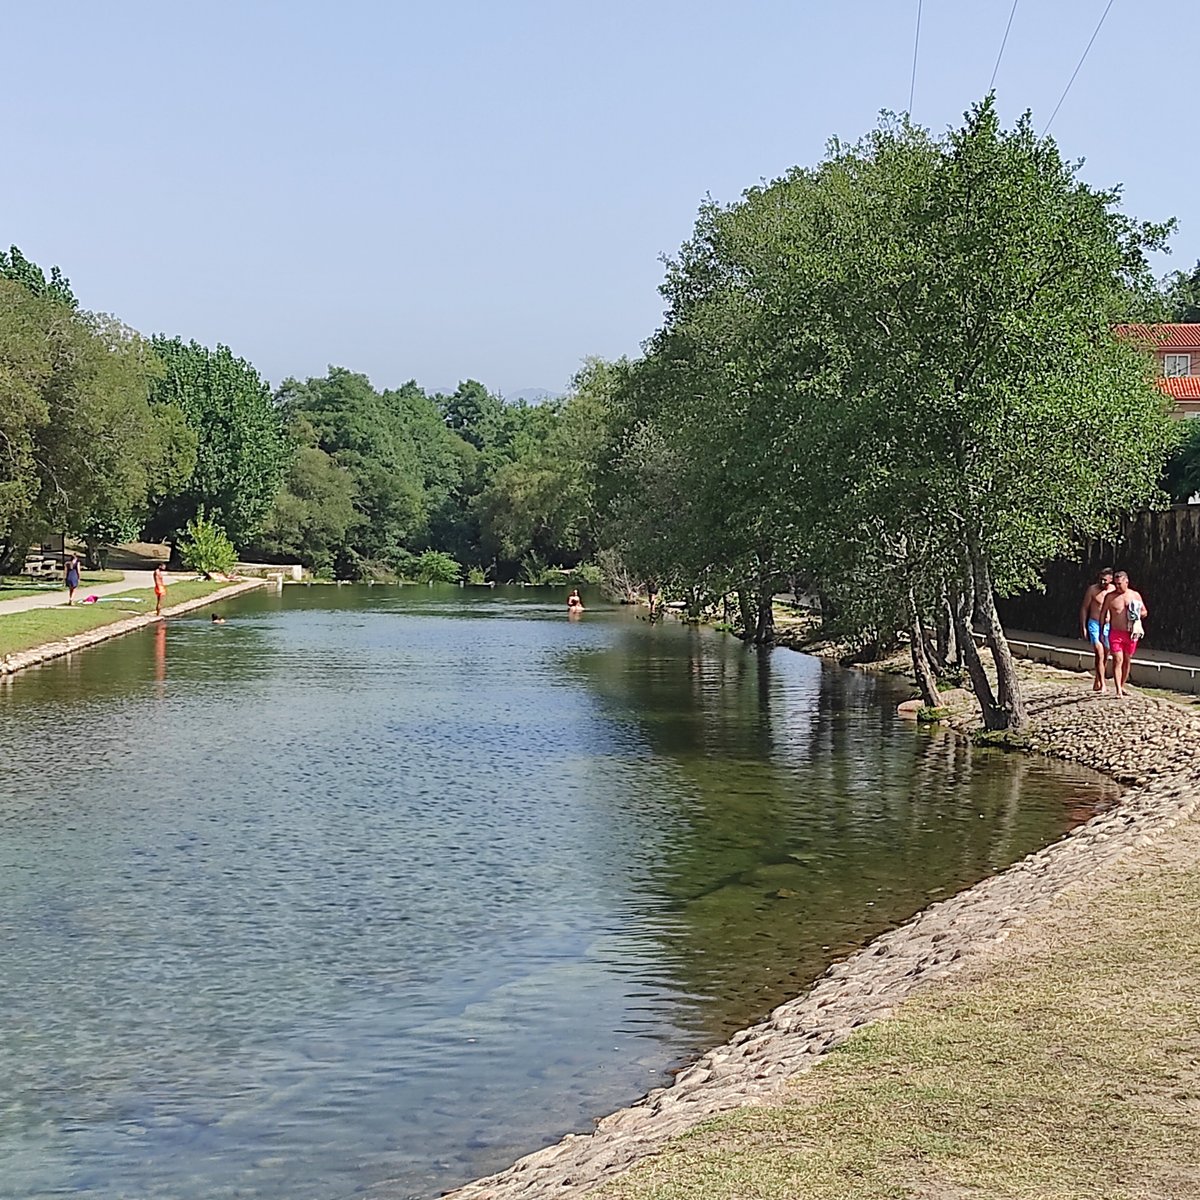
<point>1089,623</point>
<point>1126,610</point>
<point>160,589</point>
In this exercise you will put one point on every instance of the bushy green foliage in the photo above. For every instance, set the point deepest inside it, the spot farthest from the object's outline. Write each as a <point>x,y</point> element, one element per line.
<point>313,515</point>
<point>206,548</point>
<point>1182,475</point>
<point>931,715</point>
<point>1183,296</point>
<point>586,573</point>
<point>433,566</point>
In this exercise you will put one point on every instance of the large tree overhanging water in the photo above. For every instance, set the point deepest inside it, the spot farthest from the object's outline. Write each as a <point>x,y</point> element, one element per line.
<point>894,375</point>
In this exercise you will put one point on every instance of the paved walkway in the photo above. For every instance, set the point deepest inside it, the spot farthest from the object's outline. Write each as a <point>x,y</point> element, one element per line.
<point>1151,667</point>
<point>58,597</point>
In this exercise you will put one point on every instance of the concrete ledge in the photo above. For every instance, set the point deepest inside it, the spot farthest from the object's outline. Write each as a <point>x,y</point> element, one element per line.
<point>292,571</point>
<point>11,663</point>
<point>1150,669</point>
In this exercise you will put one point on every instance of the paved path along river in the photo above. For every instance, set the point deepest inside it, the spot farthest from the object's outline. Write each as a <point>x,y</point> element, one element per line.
<point>52,598</point>
<point>378,884</point>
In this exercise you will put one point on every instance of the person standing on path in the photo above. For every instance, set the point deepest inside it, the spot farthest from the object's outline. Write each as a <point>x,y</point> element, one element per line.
<point>71,577</point>
<point>1125,609</point>
<point>1090,626</point>
<point>160,589</point>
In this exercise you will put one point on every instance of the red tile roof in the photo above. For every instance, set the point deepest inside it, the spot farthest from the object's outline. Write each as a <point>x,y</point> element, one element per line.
<point>1182,387</point>
<point>1185,337</point>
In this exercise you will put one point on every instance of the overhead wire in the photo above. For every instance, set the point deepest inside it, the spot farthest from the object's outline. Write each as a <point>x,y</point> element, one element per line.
<point>1012,12</point>
<point>1078,66</point>
<point>912,86</point>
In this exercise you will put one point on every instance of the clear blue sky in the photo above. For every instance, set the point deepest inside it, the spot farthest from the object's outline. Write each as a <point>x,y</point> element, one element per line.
<point>483,187</point>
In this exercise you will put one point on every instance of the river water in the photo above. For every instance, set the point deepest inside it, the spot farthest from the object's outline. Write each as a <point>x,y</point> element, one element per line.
<point>371,890</point>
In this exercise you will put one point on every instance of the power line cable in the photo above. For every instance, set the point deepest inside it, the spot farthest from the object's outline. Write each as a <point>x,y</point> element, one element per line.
<point>912,87</point>
<point>1095,34</point>
<point>1012,12</point>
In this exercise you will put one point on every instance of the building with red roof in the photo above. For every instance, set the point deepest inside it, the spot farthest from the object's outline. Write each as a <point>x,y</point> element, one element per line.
<point>1177,351</point>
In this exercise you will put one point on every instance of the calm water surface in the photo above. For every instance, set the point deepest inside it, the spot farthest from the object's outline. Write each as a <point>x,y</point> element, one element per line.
<point>371,890</point>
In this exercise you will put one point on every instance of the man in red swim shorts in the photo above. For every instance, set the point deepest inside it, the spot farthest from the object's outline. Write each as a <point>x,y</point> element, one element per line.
<point>1126,609</point>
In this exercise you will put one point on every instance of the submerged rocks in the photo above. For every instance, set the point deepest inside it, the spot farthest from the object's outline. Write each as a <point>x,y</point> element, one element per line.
<point>1152,744</point>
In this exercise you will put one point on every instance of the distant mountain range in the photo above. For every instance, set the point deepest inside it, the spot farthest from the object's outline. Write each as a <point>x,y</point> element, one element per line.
<point>532,395</point>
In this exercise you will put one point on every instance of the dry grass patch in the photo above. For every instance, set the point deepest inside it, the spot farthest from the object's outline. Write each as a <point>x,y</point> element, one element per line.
<point>1066,1067</point>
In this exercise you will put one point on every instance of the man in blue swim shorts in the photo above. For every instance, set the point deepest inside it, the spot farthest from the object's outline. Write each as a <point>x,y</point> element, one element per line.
<point>1089,623</point>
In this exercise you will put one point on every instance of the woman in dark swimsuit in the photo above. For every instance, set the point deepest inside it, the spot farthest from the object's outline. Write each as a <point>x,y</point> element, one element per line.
<point>71,577</point>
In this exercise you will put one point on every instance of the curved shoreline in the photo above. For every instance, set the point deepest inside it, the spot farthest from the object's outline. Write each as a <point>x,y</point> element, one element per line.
<point>12,663</point>
<point>755,1065</point>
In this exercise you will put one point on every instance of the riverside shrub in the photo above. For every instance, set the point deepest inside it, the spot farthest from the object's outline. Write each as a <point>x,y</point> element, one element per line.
<point>206,548</point>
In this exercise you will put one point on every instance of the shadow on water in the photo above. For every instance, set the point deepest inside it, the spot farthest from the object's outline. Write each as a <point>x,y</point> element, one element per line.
<point>396,884</point>
<point>809,817</point>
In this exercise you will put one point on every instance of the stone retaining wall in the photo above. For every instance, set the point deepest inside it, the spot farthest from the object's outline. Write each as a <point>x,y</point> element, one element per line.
<point>1147,741</point>
<point>11,663</point>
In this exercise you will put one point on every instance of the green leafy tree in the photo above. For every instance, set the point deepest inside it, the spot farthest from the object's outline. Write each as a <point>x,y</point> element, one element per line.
<point>206,548</point>
<point>81,443</point>
<point>16,267</point>
<point>991,418</point>
<point>1182,476</point>
<point>895,375</point>
<point>397,454</point>
<point>313,516</point>
<point>1183,296</point>
<point>541,496</point>
<point>242,452</point>
<point>473,413</point>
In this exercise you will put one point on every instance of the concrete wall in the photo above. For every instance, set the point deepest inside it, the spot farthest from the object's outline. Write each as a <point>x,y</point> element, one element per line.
<point>293,571</point>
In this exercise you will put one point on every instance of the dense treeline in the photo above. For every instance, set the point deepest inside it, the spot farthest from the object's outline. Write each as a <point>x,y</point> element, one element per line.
<point>110,436</point>
<point>889,381</point>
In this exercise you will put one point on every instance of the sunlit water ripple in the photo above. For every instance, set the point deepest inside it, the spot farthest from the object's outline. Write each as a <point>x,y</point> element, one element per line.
<point>374,885</point>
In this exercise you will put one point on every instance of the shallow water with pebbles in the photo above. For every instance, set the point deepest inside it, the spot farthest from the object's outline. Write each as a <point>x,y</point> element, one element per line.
<point>1150,742</point>
<point>378,889</point>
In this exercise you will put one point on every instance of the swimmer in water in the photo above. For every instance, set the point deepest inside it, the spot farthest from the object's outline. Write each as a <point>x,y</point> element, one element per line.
<point>574,603</point>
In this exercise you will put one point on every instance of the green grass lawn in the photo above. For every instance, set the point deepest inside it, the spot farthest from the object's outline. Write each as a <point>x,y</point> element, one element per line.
<point>1065,1068</point>
<point>12,586</point>
<point>24,630</point>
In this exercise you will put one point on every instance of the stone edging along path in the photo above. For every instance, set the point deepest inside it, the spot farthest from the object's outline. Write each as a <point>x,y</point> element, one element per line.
<point>755,1065</point>
<point>12,663</point>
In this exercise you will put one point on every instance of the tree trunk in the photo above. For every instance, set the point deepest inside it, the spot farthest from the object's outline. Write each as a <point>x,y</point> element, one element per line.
<point>926,680</point>
<point>994,717</point>
<point>951,653</point>
<point>1008,685</point>
<point>764,629</point>
<point>746,609</point>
